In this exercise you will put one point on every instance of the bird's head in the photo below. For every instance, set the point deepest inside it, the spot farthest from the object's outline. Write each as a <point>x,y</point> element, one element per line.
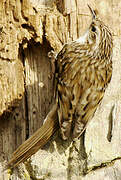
<point>98,35</point>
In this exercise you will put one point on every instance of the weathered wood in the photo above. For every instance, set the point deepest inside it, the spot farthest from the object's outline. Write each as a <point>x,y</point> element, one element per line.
<point>39,138</point>
<point>39,84</point>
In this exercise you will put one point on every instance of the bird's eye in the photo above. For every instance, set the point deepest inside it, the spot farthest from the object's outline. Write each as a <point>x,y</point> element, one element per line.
<point>93,29</point>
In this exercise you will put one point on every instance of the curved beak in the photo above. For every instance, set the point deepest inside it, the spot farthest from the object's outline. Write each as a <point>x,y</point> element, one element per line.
<point>92,12</point>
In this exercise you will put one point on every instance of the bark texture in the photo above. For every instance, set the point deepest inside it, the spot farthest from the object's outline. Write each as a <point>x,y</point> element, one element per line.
<point>29,29</point>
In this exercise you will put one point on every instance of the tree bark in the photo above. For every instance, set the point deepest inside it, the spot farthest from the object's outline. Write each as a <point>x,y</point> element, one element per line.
<point>29,29</point>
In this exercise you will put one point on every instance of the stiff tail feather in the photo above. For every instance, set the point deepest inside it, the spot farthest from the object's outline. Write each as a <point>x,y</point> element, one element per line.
<point>37,140</point>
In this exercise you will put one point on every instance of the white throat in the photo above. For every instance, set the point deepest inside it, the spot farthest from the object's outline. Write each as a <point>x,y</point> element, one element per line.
<point>83,39</point>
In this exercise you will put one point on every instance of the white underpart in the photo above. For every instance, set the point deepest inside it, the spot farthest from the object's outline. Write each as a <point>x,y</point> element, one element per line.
<point>83,39</point>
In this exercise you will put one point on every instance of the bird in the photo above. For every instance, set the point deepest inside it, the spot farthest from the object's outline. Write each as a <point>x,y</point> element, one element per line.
<point>83,70</point>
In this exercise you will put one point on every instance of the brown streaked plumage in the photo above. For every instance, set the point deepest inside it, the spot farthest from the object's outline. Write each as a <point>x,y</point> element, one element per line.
<point>83,69</point>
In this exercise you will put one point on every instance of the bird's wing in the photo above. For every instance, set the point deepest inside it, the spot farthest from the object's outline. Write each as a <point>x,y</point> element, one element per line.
<point>78,88</point>
<point>69,65</point>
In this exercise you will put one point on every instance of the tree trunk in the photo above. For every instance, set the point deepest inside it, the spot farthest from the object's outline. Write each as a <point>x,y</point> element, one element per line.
<point>29,29</point>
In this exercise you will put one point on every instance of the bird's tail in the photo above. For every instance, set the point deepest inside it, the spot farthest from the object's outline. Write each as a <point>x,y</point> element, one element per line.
<point>37,140</point>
